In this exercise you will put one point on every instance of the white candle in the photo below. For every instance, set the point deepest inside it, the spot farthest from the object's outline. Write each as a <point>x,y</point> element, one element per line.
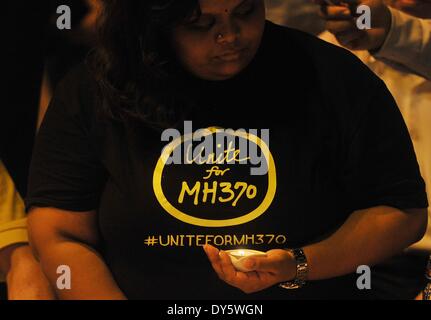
<point>238,257</point>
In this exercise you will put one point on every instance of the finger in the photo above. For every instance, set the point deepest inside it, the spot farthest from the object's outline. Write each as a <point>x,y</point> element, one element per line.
<point>346,39</point>
<point>353,7</point>
<point>214,258</point>
<point>232,276</point>
<point>337,27</point>
<point>252,275</point>
<point>336,13</point>
<point>327,2</point>
<point>360,43</point>
<point>350,2</point>
<point>228,269</point>
<point>320,2</point>
<point>265,278</point>
<point>270,264</point>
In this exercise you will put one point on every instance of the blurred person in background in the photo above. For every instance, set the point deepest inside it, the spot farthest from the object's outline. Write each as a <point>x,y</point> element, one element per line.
<point>299,14</point>
<point>395,36</point>
<point>66,48</point>
<point>400,33</point>
<point>398,53</point>
<point>398,49</point>
<point>25,23</point>
<point>38,57</point>
<point>416,8</point>
<point>18,267</point>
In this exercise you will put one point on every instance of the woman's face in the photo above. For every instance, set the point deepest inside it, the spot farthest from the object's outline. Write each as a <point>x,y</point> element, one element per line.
<point>218,42</point>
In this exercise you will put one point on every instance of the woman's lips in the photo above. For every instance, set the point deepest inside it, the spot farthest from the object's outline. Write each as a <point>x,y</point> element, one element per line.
<point>231,56</point>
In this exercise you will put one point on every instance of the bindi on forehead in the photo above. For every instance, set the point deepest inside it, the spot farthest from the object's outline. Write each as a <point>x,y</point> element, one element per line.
<point>219,6</point>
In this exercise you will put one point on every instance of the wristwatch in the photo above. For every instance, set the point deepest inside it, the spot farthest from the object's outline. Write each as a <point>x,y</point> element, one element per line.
<point>427,292</point>
<point>301,270</point>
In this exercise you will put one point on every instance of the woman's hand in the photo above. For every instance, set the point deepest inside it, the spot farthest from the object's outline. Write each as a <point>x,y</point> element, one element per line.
<point>25,279</point>
<point>278,266</point>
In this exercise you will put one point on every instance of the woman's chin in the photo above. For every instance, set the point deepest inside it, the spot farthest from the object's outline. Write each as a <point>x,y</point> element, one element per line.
<point>228,71</point>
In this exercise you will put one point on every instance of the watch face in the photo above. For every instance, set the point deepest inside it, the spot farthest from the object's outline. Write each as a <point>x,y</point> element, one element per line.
<point>290,285</point>
<point>295,284</point>
<point>427,292</point>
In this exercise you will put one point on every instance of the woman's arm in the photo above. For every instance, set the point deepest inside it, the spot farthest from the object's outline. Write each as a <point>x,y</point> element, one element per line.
<point>65,238</point>
<point>367,237</point>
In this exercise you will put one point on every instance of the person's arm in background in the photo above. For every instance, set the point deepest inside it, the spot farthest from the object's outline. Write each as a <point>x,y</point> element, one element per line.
<point>394,36</point>
<point>24,277</point>
<point>66,238</point>
<point>408,43</point>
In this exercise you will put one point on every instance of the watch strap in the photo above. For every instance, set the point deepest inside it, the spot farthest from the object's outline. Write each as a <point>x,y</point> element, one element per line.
<point>301,270</point>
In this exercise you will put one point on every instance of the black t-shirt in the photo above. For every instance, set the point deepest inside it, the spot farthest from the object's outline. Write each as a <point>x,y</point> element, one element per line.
<point>337,143</point>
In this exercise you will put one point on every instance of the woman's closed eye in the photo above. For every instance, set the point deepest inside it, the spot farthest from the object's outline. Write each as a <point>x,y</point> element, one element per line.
<point>202,23</point>
<point>246,9</point>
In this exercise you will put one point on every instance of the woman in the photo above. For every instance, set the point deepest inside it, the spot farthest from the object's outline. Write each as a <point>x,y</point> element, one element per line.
<point>113,201</point>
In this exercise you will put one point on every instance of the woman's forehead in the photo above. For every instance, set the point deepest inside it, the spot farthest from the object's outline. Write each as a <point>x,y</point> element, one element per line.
<point>219,6</point>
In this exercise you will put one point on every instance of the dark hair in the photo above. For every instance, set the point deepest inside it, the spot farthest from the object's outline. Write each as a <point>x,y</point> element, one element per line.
<point>134,65</point>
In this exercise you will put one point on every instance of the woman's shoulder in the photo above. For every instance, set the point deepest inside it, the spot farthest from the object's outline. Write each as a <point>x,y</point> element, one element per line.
<point>76,93</point>
<point>345,88</point>
<point>331,64</point>
<point>78,80</point>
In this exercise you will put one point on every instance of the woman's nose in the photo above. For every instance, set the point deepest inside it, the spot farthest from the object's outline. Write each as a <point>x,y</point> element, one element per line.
<point>228,33</point>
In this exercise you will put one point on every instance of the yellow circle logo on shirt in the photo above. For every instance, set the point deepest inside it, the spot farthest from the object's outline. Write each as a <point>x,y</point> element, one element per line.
<point>222,192</point>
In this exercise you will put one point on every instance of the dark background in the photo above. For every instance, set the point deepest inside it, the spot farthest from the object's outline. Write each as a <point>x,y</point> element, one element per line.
<point>31,42</point>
